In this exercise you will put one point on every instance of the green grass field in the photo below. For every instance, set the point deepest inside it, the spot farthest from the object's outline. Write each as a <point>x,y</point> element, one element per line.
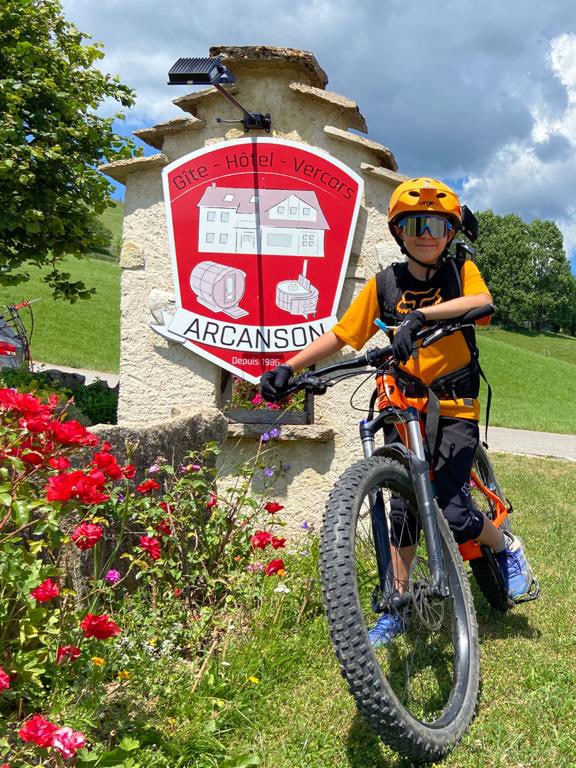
<point>274,696</point>
<point>82,335</point>
<point>533,378</point>
<point>302,715</point>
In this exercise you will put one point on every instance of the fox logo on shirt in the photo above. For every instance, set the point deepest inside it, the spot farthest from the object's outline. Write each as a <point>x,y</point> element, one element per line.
<point>411,300</point>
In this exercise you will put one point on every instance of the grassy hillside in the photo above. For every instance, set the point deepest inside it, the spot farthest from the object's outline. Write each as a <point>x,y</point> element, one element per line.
<point>81,335</point>
<point>533,377</point>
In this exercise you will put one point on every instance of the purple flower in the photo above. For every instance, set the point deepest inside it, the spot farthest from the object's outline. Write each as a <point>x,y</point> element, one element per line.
<point>305,525</point>
<point>265,437</point>
<point>121,497</point>
<point>274,433</point>
<point>153,469</point>
<point>113,576</point>
<point>269,471</point>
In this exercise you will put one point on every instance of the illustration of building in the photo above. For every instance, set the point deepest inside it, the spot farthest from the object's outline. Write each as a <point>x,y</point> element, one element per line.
<point>279,222</point>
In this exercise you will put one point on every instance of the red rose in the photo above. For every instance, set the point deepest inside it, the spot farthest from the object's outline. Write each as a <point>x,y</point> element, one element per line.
<point>25,403</point>
<point>106,447</point>
<point>129,471</point>
<point>77,485</point>
<point>212,501</point>
<point>67,652</point>
<point>59,462</point>
<point>100,627</point>
<point>151,545</point>
<point>4,680</point>
<point>275,566</point>
<point>35,424</point>
<point>86,535</point>
<point>38,730</point>
<point>272,507</point>
<point>163,528</point>
<point>72,433</point>
<point>147,486</point>
<point>46,591</point>
<point>261,539</point>
<point>278,542</point>
<point>68,742</point>
<point>108,464</point>
<point>166,507</point>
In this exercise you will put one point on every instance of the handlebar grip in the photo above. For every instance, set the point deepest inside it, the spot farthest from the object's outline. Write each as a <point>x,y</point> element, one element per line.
<point>478,313</point>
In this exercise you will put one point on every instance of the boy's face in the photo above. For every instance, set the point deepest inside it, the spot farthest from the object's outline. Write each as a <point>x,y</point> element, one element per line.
<point>425,248</point>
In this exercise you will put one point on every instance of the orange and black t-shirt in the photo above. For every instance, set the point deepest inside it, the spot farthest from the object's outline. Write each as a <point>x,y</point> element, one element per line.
<point>443,357</point>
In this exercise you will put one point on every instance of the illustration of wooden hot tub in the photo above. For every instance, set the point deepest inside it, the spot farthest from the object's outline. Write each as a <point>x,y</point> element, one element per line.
<point>219,287</point>
<point>298,297</point>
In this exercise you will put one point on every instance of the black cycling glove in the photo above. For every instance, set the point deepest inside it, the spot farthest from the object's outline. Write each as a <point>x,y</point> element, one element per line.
<point>403,340</point>
<point>273,383</point>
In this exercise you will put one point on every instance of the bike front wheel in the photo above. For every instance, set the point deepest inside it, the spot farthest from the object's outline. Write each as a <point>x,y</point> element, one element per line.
<point>419,691</point>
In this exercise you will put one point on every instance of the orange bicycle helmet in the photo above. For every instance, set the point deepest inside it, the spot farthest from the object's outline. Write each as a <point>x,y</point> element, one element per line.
<point>423,195</point>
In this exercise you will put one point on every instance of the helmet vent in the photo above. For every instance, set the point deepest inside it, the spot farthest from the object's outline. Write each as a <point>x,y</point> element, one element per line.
<point>441,194</point>
<point>413,193</point>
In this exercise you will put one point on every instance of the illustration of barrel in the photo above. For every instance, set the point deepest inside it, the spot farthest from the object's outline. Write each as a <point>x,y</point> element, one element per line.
<point>219,287</point>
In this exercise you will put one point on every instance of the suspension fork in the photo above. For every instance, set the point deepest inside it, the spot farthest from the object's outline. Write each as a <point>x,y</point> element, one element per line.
<point>379,522</point>
<point>420,472</point>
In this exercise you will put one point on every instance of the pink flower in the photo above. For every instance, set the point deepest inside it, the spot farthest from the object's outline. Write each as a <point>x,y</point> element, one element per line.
<point>151,545</point>
<point>113,576</point>
<point>45,591</point>
<point>4,680</point>
<point>65,652</point>
<point>68,742</point>
<point>38,730</point>
<point>212,501</point>
<point>257,399</point>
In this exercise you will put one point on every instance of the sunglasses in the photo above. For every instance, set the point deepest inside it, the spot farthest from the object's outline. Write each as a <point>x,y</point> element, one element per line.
<point>416,224</point>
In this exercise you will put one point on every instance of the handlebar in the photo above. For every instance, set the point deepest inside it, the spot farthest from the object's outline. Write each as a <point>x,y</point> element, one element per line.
<point>314,382</point>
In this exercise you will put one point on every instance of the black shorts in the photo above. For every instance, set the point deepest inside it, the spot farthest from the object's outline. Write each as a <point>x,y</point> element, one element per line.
<point>452,462</point>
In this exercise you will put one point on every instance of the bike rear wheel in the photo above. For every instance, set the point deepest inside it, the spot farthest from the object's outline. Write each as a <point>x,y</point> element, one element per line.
<point>485,569</point>
<point>420,691</point>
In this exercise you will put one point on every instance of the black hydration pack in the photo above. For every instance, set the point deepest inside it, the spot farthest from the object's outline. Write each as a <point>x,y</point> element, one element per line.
<point>460,384</point>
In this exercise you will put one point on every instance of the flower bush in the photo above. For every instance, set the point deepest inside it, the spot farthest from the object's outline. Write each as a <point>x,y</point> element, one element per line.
<point>85,552</point>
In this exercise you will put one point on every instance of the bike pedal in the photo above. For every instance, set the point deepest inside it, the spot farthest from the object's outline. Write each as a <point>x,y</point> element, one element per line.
<point>532,594</point>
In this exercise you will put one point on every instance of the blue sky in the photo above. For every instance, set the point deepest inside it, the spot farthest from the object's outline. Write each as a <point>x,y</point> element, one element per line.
<point>480,94</point>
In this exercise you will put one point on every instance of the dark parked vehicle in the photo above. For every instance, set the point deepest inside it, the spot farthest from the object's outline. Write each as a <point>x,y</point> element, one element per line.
<point>14,336</point>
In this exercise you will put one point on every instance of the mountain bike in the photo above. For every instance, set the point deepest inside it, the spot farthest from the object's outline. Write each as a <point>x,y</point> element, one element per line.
<point>420,691</point>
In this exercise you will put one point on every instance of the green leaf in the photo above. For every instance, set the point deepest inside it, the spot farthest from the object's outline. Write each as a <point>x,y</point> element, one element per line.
<point>128,744</point>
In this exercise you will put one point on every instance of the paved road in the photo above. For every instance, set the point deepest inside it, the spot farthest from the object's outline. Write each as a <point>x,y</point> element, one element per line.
<point>532,443</point>
<point>499,438</point>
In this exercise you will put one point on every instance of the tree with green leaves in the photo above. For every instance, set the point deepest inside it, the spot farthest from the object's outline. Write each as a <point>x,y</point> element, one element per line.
<point>51,143</point>
<point>527,271</point>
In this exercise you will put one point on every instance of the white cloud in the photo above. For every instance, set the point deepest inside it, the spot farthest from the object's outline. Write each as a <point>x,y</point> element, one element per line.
<point>535,177</point>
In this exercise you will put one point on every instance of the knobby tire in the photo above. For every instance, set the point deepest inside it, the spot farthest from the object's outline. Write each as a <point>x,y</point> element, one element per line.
<point>426,715</point>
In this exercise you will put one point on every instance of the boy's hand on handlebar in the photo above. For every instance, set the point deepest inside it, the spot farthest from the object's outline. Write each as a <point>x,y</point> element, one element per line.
<point>403,340</point>
<point>273,384</point>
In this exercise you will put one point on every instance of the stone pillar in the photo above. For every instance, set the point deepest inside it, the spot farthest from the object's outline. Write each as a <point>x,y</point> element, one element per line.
<point>159,378</point>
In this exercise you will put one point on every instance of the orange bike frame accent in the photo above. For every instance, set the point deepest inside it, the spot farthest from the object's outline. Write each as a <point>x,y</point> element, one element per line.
<point>390,395</point>
<point>471,550</point>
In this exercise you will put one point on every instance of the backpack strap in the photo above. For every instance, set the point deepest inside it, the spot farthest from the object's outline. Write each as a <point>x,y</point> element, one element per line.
<point>387,291</point>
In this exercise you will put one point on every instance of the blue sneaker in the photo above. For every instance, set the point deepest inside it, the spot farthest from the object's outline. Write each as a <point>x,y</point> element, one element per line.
<point>514,567</point>
<point>385,630</point>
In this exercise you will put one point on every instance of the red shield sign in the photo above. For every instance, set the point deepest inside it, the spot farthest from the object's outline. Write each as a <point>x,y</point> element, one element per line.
<point>260,233</point>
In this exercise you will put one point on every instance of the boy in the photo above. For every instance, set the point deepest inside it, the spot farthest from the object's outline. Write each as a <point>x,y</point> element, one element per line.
<point>424,215</point>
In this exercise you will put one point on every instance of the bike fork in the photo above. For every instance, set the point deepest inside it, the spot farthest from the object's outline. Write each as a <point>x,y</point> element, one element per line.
<point>420,471</point>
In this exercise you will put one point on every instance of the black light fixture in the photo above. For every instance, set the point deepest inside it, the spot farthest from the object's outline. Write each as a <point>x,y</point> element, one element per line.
<point>211,71</point>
